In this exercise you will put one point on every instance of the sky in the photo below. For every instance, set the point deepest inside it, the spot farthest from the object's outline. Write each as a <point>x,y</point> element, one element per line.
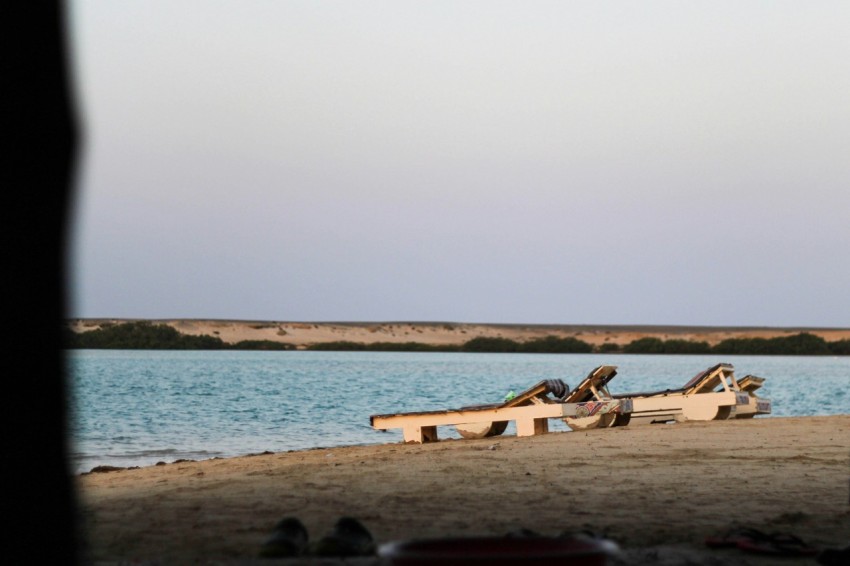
<point>529,162</point>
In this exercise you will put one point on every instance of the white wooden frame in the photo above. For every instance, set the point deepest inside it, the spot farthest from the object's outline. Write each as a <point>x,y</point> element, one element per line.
<point>530,420</point>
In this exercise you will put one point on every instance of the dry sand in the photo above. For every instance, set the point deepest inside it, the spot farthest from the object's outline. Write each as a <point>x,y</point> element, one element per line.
<point>302,334</point>
<point>657,490</point>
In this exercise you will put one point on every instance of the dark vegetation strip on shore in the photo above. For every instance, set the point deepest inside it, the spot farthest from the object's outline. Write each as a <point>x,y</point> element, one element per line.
<point>144,335</point>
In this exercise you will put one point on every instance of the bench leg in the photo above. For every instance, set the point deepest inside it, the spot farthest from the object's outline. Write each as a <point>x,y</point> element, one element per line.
<point>532,427</point>
<point>420,434</point>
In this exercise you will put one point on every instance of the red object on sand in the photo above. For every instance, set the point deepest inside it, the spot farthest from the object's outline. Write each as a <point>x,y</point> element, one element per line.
<point>498,551</point>
<point>779,544</point>
<point>732,537</point>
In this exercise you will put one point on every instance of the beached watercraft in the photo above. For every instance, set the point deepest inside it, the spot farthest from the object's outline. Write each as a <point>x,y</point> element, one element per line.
<point>530,410</point>
<point>757,405</point>
<point>712,394</point>
<point>594,387</point>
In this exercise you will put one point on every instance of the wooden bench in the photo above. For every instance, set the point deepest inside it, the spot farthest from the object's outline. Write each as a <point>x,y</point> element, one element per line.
<point>531,419</point>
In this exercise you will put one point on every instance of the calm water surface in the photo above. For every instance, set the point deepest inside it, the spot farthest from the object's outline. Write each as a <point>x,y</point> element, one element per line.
<point>137,408</point>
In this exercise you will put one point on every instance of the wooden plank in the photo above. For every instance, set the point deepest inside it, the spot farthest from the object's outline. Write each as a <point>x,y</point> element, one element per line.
<point>528,395</point>
<point>452,417</point>
<point>531,427</point>
<point>530,420</point>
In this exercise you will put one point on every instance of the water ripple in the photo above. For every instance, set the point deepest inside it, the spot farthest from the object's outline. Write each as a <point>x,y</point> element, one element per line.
<point>192,405</point>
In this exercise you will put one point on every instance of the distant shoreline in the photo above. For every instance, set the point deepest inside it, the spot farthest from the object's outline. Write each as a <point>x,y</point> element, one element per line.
<point>305,334</point>
<point>650,328</point>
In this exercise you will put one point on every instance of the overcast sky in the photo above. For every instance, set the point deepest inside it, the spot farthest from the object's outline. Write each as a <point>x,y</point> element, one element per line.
<point>470,161</point>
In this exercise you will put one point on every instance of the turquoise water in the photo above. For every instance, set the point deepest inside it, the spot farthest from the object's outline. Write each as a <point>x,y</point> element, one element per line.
<point>137,408</point>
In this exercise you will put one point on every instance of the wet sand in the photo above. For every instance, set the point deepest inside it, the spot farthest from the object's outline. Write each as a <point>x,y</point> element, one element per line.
<point>656,490</point>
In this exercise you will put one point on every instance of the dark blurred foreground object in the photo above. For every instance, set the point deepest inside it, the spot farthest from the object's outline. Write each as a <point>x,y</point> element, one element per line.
<point>38,125</point>
<point>289,538</point>
<point>347,538</point>
<point>835,557</point>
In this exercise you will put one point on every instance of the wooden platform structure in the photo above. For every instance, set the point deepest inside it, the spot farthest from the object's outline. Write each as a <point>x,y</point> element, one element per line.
<point>712,394</point>
<point>530,410</point>
<point>757,405</point>
<point>594,387</point>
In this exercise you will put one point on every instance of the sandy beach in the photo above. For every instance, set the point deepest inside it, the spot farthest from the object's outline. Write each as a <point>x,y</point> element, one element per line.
<point>303,334</point>
<point>656,490</point>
